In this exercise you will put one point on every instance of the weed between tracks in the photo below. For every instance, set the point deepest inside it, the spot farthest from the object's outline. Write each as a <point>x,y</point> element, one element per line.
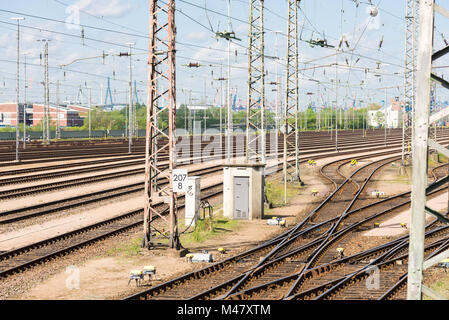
<point>127,249</point>
<point>207,228</point>
<point>275,191</point>
<point>437,279</point>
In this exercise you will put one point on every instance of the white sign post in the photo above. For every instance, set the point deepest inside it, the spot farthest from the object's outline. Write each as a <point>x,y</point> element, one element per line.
<point>192,202</point>
<point>180,180</point>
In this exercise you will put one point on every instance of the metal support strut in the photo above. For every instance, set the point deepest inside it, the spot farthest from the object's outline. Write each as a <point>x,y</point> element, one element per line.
<point>291,111</point>
<point>255,123</point>
<point>161,99</point>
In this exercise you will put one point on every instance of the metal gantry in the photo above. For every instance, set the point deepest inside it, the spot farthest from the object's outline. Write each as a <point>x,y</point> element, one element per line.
<point>423,119</point>
<point>255,122</point>
<point>411,22</point>
<point>161,99</point>
<point>291,110</point>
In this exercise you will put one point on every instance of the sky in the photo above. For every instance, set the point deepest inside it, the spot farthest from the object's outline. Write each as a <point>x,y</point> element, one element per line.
<point>364,71</point>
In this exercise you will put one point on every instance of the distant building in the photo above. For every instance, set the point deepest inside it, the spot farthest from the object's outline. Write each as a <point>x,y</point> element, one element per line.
<point>65,116</point>
<point>392,114</point>
<point>199,107</point>
<point>68,116</point>
<point>82,111</point>
<point>8,114</point>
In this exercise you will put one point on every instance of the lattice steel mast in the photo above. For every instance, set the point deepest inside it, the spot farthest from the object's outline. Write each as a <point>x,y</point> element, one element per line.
<point>411,20</point>
<point>255,121</point>
<point>291,110</point>
<point>161,99</point>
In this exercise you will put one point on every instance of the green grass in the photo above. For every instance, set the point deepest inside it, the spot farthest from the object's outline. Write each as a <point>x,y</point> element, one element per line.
<point>275,191</point>
<point>127,249</point>
<point>207,229</point>
<point>442,158</point>
<point>441,287</point>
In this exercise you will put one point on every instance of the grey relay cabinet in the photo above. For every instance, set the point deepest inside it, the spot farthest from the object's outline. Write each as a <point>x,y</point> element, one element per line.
<point>243,187</point>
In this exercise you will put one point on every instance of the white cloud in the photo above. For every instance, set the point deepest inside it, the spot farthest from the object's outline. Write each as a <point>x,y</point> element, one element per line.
<point>192,36</point>
<point>104,8</point>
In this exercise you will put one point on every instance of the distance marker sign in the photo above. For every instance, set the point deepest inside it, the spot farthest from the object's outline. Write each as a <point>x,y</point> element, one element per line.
<point>180,180</point>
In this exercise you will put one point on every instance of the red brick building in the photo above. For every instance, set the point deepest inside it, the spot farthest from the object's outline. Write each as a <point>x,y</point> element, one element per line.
<point>66,117</point>
<point>8,114</point>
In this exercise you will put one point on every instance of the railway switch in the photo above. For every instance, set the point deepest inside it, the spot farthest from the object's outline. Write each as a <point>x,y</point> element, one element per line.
<point>444,263</point>
<point>150,271</point>
<point>202,257</point>
<point>340,252</point>
<point>136,275</point>
<point>275,221</point>
<point>189,257</point>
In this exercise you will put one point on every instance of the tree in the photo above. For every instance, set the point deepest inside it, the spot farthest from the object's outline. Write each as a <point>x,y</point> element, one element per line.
<point>379,118</point>
<point>374,106</point>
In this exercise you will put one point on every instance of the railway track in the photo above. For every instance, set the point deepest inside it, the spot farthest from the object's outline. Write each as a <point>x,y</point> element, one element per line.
<point>28,212</point>
<point>20,259</point>
<point>312,281</point>
<point>10,216</point>
<point>315,233</point>
<point>263,272</point>
<point>74,182</point>
<point>66,242</point>
<point>225,273</point>
<point>308,140</point>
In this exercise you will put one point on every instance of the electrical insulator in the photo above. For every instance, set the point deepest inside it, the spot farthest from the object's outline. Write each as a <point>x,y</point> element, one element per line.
<point>193,65</point>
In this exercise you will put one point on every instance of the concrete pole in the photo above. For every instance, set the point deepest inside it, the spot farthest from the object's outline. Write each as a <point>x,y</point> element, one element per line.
<point>90,107</point>
<point>58,127</point>
<point>336,102</point>
<point>228,94</point>
<point>420,151</point>
<point>25,104</point>
<point>385,118</point>
<point>47,97</point>
<point>17,87</point>
<point>278,93</point>
<point>17,92</point>
<point>130,101</point>
<point>221,109</point>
